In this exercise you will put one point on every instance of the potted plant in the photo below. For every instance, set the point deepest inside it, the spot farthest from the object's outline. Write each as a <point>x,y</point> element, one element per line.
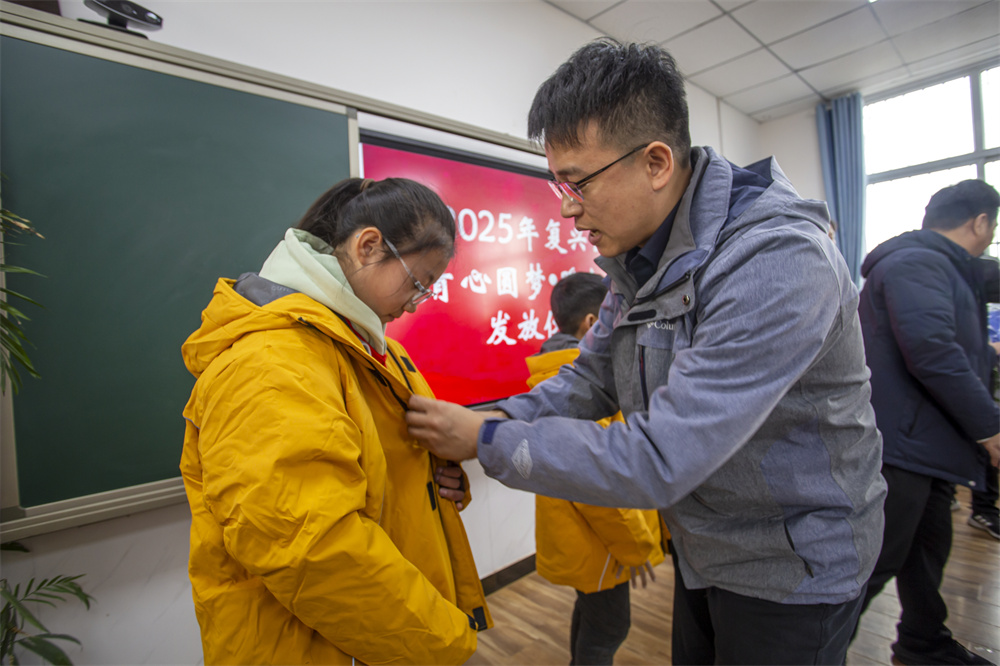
<point>19,628</point>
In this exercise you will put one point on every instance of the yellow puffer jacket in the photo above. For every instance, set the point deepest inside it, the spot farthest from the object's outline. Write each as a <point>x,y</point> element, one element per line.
<point>582,545</point>
<point>318,536</point>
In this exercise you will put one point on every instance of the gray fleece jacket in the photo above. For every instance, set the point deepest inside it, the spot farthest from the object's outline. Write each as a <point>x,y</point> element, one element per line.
<point>740,370</point>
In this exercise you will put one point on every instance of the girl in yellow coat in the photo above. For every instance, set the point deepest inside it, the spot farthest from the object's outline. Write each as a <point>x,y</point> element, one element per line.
<point>317,533</point>
<point>593,549</point>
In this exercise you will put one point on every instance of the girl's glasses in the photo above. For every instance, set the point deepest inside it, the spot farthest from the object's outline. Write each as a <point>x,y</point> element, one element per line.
<point>422,292</point>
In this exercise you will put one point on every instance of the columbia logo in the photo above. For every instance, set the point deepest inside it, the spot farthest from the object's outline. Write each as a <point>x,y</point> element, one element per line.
<point>662,325</point>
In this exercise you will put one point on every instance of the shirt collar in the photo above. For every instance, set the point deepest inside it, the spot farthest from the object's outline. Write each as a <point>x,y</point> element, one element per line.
<point>641,262</point>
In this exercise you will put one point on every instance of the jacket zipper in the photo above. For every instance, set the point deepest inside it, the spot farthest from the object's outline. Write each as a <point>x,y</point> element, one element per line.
<point>642,377</point>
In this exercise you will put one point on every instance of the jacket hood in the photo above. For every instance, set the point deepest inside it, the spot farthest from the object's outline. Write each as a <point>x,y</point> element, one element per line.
<point>924,239</point>
<point>306,264</point>
<point>547,364</point>
<point>230,315</point>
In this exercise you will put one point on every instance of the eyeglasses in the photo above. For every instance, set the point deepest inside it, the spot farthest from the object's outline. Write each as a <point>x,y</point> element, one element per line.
<point>573,191</point>
<point>422,292</point>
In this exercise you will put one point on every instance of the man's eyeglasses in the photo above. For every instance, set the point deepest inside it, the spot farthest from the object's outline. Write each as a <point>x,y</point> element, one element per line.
<point>422,292</point>
<point>573,191</point>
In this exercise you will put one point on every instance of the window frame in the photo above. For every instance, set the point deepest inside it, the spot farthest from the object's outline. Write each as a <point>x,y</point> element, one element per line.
<point>979,156</point>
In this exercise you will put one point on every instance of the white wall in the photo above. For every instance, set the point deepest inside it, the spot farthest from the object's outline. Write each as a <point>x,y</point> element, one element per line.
<point>740,136</point>
<point>136,569</point>
<point>794,142</point>
<point>474,62</point>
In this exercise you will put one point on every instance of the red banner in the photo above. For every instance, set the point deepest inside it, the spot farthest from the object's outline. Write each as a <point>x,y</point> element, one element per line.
<point>491,307</point>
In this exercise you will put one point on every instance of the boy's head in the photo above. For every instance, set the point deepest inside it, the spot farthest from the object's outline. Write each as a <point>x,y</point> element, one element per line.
<point>576,300</point>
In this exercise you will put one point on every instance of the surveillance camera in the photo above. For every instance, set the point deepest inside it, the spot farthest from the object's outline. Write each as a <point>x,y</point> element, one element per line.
<point>123,14</point>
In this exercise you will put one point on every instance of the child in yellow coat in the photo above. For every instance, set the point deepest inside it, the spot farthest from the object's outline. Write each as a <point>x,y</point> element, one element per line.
<point>590,548</point>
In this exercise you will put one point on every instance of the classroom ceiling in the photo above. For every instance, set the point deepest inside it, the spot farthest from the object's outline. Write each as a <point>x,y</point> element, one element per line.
<point>770,58</point>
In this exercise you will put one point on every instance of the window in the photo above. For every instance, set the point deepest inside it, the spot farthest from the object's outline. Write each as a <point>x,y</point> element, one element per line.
<point>918,141</point>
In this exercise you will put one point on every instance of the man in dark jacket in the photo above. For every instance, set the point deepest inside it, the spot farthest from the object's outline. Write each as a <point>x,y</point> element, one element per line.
<point>923,317</point>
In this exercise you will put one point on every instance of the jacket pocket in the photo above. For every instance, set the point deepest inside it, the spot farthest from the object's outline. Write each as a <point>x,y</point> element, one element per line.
<point>791,544</point>
<point>655,341</point>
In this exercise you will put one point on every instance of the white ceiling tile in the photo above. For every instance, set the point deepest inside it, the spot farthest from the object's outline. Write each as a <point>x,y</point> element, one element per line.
<point>585,9</point>
<point>853,67</point>
<point>767,95</point>
<point>950,33</point>
<point>740,74</point>
<point>899,16</point>
<point>967,54</point>
<point>730,5</point>
<point>787,108</point>
<point>872,84</point>
<point>832,39</point>
<point>772,20</point>
<point>645,21</point>
<point>709,45</point>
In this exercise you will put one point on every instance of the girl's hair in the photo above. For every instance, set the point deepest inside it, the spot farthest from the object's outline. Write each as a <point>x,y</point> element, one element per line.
<point>410,215</point>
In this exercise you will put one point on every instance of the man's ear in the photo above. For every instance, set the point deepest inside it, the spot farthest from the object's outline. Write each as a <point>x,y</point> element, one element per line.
<point>660,164</point>
<point>982,225</point>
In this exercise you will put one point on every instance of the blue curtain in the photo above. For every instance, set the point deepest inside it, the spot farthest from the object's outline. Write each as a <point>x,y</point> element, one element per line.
<point>842,151</point>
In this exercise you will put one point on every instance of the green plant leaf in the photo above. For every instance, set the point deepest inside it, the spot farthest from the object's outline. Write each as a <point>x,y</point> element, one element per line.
<point>13,346</point>
<point>8,268</point>
<point>12,328</point>
<point>22,297</point>
<point>59,637</point>
<point>9,374</point>
<point>21,610</point>
<point>50,652</point>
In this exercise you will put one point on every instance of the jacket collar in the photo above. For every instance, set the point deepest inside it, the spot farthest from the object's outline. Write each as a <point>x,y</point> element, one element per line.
<point>707,195</point>
<point>921,239</point>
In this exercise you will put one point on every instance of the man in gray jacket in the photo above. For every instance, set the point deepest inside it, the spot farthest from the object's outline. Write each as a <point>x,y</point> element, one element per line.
<point>730,342</point>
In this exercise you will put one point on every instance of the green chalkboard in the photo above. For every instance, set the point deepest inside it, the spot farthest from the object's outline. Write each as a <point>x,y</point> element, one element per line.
<point>147,187</point>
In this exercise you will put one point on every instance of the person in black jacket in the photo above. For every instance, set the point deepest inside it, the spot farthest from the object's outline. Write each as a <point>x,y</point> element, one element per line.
<point>923,317</point>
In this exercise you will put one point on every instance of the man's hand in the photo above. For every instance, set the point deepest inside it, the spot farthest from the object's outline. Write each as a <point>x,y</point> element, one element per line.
<point>993,446</point>
<point>639,572</point>
<point>450,484</point>
<point>445,429</point>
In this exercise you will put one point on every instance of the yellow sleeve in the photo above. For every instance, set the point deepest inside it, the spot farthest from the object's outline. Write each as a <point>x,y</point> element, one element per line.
<point>623,532</point>
<point>283,476</point>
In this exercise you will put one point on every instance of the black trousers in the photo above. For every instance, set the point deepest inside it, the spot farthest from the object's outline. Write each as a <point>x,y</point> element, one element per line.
<point>715,626</point>
<point>600,625</point>
<point>985,501</point>
<point>915,548</point>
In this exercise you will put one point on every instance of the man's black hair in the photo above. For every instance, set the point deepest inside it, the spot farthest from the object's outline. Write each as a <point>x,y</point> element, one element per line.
<point>633,92</point>
<point>955,205</point>
<point>574,297</point>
